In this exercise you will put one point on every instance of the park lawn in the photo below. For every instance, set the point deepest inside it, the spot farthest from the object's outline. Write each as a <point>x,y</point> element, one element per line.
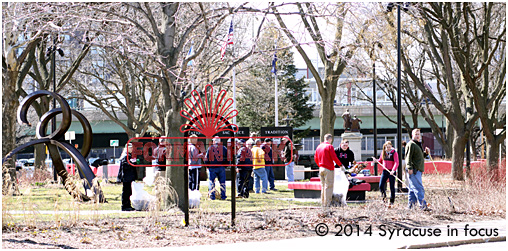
<point>255,202</point>
<point>56,198</point>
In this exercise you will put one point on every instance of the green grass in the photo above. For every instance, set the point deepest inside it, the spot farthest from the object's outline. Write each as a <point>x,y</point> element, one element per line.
<point>255,202</point>
<point>55,197</point>
<point>48,197</point>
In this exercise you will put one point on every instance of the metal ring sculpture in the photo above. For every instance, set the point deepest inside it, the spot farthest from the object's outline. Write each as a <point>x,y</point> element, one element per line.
<point>53,144</point>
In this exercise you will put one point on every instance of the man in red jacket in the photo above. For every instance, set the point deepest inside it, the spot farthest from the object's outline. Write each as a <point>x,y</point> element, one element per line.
<point>324,157</point>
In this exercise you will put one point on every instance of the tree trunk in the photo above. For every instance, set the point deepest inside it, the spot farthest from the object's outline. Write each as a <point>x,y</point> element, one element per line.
<point>10,105</point>
<point>492,154</point>
<point>40,156</point>
<point>326,116</point>
<point>459,144</point>
<point>175,175</point>
<point>40,150</point>
<point>448,136</point>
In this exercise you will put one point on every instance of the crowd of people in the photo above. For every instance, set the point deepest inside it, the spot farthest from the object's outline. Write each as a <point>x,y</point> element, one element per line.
<point>255,160</point>
<point>330,160</point>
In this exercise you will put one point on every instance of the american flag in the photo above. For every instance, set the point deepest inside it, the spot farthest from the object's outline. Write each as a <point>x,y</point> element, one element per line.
<point>229,40</point>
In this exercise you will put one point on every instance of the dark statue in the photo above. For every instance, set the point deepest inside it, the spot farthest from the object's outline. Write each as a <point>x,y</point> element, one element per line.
<point>52,143</point>
<point>355,124</point>
<point>347,120</point>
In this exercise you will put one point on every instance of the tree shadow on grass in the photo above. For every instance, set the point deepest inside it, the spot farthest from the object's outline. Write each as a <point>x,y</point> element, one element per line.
<point>28,241</point>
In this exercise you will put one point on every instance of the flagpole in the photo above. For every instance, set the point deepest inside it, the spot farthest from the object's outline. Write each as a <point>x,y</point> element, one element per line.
<point>234,75</point>
<point>276,92</point>
<point>234,94</point>
<point>276,102</point>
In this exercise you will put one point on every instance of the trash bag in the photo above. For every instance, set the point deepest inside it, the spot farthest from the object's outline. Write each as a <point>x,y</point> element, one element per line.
<point>140,199</point>
<point>194,198</point>
<point>340,187</point>
<point>150,176</point>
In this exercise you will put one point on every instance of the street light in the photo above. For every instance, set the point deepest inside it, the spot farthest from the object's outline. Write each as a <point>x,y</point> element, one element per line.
<point>52,50</point>
<point>389,8</point>
<point>374,100</point>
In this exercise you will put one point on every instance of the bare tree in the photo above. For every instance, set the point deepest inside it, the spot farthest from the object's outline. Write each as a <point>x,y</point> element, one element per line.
<point>165,31</point>
<point>334,53</point>
<point>118,89</point>
<point>449,95</point>
<point>477,33</point>
<point>28,28</point>
<point>17,55</point>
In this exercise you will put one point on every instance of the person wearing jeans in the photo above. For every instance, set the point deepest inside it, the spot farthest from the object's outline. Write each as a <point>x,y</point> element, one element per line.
<point>325,157</point>
<point>390,159</point>
<point>216,156</point>
<point>258,157</point>
<point>267,148</point>
<point>220,174</point>
<point>288,160</point>
<point>415,163</point>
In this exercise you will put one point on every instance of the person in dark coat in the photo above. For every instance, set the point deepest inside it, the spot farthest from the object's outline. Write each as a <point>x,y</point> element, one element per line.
<point>244,157</point>
<point>161,153</point>
<point>344,154</point>
<point>127,174</point>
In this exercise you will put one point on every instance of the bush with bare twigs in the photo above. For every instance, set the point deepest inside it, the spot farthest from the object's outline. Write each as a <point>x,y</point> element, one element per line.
<point>27,177</point>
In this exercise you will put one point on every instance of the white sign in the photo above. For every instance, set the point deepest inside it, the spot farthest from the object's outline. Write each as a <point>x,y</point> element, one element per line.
<point>70,135</point>
<point>114,142</point>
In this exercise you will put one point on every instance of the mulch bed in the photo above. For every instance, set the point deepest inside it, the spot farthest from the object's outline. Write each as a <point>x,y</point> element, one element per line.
<point>215,228</point>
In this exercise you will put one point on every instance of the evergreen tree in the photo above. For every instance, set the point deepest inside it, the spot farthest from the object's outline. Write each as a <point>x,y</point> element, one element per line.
<point>256,99</point>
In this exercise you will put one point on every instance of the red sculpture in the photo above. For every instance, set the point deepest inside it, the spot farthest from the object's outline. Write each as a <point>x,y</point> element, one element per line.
<point>211,116</point>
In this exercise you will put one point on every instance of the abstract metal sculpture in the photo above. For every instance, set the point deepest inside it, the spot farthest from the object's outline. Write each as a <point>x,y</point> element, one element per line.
<point>53,144</point>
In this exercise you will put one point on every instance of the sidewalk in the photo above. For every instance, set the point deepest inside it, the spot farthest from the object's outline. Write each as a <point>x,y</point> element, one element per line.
<point>375,241</point>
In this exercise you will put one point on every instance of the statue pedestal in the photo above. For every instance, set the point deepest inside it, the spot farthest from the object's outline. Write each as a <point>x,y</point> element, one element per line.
<point>355,143</point>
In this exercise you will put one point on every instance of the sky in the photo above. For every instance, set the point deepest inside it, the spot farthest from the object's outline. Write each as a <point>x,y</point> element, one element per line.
<point>295,24</point>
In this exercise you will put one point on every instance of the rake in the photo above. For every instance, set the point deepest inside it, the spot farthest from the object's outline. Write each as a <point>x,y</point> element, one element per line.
<point>384,167</point>
<point>442,184</point>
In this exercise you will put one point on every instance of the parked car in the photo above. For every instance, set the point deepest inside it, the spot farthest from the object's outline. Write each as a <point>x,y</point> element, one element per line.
<point>307,161</point>
<point>29,162</point>
<point>20,163</point>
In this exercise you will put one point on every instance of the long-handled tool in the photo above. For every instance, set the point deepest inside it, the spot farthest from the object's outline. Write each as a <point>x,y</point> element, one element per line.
<point>442,184</point>
<point>384,167</point>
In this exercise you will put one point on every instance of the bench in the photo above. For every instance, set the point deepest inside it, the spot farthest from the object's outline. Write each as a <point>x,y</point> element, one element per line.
<point>312,190</point>
<point>372,180</point>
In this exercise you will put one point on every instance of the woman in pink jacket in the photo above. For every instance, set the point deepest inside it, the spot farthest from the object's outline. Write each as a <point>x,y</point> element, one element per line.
<point>390,159</point>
